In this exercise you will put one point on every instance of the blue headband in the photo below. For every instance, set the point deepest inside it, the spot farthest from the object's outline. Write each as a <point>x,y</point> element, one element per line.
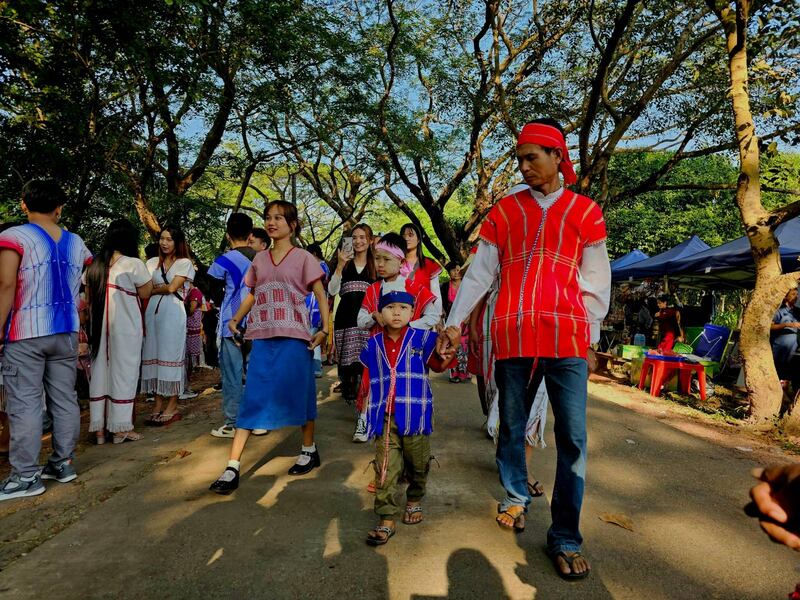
<point>395,297</point>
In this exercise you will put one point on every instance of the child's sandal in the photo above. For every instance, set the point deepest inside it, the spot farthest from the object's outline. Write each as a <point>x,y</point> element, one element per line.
<point>412,509</point>
<point>375,539</point>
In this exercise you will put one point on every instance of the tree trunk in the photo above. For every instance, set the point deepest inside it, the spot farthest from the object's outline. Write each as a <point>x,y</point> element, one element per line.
<point>761,379</point>
<point>146,216</point>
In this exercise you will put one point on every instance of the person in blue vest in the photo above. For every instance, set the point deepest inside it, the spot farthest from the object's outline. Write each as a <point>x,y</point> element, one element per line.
<point>230,269</point>
<point>399,412</point>
<point>313,306</point>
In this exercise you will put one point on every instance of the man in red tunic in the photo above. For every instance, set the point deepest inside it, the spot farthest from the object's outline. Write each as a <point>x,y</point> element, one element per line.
<point>547,246</point>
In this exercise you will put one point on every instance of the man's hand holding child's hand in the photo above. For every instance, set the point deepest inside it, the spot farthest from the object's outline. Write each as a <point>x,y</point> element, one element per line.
<point>444,349</point>
<point>453,336</point>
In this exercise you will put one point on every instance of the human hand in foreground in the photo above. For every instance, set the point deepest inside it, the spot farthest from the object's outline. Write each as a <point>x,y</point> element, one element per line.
<point>344,257</point>
<point>591,359</point>
<point>319,338</point>
<point>238,334</point>
<point>444,349</point>
<point>474,341</point>
<point>453,335</point>
<point>378,318</point>
<point>776,503</point>
<point>232,326</point>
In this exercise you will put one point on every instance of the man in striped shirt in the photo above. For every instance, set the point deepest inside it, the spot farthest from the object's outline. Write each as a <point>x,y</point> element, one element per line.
<point>547,246</point>
<point>40,274</point>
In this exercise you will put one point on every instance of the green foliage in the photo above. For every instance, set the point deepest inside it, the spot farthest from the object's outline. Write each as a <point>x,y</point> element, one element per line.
<point>385,217</point>
<point>106,93</point>
<point>728,318</point>
<point>657,221</point>
<point>779,170</point>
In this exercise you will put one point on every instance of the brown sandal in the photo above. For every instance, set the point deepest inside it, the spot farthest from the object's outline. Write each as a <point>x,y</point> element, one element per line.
<point>127,436</point>
<point>518,518</point>
<point>535,489</point>
<point>153,419</point>
<point>164,419</point>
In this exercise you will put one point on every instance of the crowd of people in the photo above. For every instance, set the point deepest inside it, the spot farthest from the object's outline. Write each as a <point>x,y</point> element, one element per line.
<point>521,315</point>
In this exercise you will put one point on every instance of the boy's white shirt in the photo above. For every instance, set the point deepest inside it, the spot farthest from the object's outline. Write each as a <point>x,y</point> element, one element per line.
<point>594,275</point>
<point>430,315</point>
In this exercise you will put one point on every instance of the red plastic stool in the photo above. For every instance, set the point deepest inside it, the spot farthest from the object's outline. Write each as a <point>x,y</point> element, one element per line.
<point>662,370</point>
<point>685,371</point>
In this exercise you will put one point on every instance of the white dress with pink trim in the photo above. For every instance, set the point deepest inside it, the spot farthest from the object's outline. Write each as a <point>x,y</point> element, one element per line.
<point>115,369</point>
<point>163,359</point>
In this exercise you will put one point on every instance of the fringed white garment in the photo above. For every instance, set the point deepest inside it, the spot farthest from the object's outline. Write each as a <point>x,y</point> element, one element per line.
<point>537,418</point>
<point>115,369</point>
<point>163,358</point>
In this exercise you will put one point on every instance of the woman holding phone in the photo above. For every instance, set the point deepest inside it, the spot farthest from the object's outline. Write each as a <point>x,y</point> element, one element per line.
<point>355,272</point>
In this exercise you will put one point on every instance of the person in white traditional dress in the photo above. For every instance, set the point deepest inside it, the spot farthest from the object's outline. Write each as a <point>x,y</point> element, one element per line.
<point>163,358</point>
<point>116,283</point>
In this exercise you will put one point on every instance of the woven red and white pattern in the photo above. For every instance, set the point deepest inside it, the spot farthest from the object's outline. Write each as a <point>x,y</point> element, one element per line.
<point>279,305</point>
<point>540,310</point>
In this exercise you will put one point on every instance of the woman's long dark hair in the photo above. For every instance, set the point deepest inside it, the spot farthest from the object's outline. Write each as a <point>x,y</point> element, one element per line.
<point>123,237</point>
<point>420,253</point>
<point>181,248</point>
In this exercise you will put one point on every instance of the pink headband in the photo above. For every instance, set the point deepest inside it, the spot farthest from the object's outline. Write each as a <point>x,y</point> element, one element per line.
<point>393,250</point>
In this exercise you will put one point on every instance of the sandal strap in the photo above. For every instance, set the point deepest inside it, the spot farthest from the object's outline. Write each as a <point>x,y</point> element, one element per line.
<point>514,515</point>
<point>383,529</point>
<point>413,509</point>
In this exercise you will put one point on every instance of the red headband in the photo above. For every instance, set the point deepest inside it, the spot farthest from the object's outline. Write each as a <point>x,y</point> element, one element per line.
<point>548,136</point>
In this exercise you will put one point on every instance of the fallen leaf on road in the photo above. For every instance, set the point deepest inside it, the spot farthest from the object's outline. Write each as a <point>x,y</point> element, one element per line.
<point>744,449</point>
<point>619,520</point>
<point>183,453</point>
<point>630,441</point>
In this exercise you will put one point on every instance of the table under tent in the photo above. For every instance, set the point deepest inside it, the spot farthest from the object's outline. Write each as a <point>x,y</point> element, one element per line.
<point>694,265</point>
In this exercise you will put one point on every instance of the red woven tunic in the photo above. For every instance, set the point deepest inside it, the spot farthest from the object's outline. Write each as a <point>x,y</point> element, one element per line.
<point>422,297</point>
<point>540,310</point>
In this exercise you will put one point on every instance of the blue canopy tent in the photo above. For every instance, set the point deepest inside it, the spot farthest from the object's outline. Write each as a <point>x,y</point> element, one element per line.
<point>660,264</point>
<point>732,263</point>
<point>630,258</point>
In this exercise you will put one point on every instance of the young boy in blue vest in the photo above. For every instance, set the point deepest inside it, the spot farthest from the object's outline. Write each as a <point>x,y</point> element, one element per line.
<point>399,413</point>
<point>230,269</point>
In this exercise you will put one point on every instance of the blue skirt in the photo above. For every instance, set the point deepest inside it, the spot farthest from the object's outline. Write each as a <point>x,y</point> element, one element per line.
<point>280,389</point>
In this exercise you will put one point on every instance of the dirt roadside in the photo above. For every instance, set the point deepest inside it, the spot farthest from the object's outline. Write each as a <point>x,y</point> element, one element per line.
<point>103,471</point>
<point>764,447</point>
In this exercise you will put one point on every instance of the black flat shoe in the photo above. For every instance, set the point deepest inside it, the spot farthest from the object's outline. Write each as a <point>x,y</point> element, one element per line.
<point>309,466</point>
<point>226,486</point>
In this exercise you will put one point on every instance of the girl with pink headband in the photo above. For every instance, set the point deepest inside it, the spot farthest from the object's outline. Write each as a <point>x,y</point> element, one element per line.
<point>390,255</point>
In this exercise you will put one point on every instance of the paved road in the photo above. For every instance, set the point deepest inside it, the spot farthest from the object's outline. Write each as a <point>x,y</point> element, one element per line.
<point>157,532</point>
